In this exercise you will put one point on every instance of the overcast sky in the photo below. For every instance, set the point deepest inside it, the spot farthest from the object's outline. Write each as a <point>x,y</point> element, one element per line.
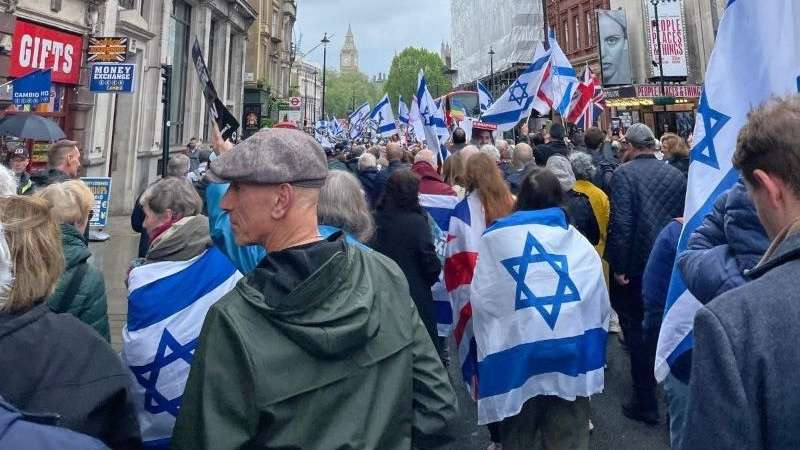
<point>380,28</point>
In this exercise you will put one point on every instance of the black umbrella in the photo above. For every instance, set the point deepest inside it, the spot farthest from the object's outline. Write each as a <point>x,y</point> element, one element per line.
<point>30,126</point>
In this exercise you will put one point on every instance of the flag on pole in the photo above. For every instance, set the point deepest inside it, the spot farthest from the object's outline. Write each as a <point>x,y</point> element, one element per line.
<point>516,102</point>
<point>432,117</point>
<point>559,83</point>
<point>485,99</point>
<point>415,119</point>
<point>335,127</point>
<point>747,32</point>
<point>383,117</point>
<point>540,313</point>
<point>358,119</point>
<point>402,111</point>
<point>160,337</point>
<point>598,103</point>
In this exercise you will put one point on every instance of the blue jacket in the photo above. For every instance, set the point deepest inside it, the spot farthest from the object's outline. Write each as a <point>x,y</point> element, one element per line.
<point>20,430</point>
<point>657,274</point>
<point>730,241</point>
<point>244,257</point>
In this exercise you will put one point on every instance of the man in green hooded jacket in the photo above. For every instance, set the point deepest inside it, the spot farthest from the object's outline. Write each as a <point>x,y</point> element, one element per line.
<point>320,346</point>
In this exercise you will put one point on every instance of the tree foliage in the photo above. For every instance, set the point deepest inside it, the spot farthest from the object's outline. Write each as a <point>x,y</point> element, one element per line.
<point>402,78</point>
<point>344,89</point>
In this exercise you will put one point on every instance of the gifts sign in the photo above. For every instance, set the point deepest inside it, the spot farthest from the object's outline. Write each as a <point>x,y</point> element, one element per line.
<point>227,123</point>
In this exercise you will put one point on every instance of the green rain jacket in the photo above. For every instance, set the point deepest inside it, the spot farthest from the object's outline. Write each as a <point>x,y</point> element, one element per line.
<point>342,362</point>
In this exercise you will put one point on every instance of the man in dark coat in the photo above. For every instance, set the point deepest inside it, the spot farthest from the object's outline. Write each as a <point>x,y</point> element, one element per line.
<point>743,393</point>
<point>555,146</point>
<point>646,194</point>
<point>63,163</point>
<point>371,179</point>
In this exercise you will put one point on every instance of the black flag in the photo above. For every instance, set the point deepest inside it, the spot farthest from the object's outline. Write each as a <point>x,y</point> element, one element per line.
<point>228,125</point>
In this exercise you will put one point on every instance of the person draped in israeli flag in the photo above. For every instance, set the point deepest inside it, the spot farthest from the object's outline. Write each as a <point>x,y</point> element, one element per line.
<point>540,317</point>
<point>558,84</point>
<point>432,118</point>
<point>485,99</point>
<point>358,119</point>
<point>517,101</point>
<point>335,127</point>
<point>765,34</point>
<point>169,293</point>
<point>383,117</point>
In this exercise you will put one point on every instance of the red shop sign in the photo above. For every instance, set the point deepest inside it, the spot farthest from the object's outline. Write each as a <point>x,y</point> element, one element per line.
<point>39,47</point>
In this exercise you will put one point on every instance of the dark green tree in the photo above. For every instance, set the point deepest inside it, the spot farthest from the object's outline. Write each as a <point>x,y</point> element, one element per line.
<point>402,78</point>
<point>345,89</point>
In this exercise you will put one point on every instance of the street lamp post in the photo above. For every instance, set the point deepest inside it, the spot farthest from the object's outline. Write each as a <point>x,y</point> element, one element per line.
<point>658,43</point>
<point>314,109</point>
<point>325,41</point>
<point>491,70</point>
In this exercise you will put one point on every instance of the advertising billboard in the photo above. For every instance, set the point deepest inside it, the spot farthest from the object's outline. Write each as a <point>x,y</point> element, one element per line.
<point>673,37</point>
<point>612,28</point>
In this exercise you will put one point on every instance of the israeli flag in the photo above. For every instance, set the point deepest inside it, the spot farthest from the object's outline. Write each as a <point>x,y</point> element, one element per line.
<point>415,120</point>
<point>517,101</point>
<point>540,313</point>
<point>167,303</point>
<point>485,99</point>
<point>765,34</point>
<point>335,127</point>
<point>358,119</point>
<point>559,83</point>
<point>402,111</point>
<point>383,117</point>
<point>432,117</point>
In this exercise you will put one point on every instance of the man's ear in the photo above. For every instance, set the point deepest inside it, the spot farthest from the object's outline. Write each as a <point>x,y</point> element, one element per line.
<point>283,201</point>
<point>771,186</point>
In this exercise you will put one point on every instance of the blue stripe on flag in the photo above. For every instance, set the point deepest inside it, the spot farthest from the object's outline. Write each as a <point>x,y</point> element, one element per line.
<point>686,344</point>
<point>553,217</point>
<point>443,312</point>
<point>468,369</point>
<point>504,371</point>
<point>387,127</point>
<point>160,299</point>
<point>441,216</point>
<point>157,444</point>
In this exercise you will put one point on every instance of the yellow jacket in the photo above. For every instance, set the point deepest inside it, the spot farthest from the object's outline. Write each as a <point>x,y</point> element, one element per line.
<point>602,211</point>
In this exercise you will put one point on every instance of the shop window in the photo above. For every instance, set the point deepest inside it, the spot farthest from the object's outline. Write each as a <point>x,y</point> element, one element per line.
<point>181,19</point>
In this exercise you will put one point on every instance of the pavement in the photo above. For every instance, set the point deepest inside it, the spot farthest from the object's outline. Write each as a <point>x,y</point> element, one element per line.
<point>612,430</point>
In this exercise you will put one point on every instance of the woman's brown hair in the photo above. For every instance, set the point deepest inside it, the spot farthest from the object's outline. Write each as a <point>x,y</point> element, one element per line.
<point>453,170</point>
<point>34,241</point>
<point>672,144</point>
<point>483,177</point>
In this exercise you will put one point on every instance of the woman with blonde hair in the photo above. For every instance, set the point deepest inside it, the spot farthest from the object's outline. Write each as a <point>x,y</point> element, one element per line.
<point>81,289</point>
<point>52,363</point>
<point>676,151</point>
<point>454,174</point>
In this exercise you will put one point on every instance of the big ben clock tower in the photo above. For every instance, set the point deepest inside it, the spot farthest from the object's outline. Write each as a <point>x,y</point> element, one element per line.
<point>348,58</point>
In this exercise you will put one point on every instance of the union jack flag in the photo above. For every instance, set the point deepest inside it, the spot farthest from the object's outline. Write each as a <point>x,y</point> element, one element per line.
<point>588,103</point>
<point>467,224</point>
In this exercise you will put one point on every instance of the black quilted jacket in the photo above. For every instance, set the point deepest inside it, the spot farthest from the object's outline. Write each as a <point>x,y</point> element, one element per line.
<point>645,195</point>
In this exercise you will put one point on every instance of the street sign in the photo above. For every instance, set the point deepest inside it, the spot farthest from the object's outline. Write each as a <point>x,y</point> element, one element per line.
<point>295,102</point>
<point>112,78</point>
<point>107,49</point>
<point>33,88</point>
<point>101,189</point>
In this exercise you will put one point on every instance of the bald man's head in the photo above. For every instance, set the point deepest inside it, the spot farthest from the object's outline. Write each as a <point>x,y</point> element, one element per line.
<point>426,156</point>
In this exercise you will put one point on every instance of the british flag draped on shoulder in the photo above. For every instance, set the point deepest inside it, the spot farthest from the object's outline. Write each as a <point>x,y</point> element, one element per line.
<point>467,223</point>
<point>440,207</point>
<point>540,313</point>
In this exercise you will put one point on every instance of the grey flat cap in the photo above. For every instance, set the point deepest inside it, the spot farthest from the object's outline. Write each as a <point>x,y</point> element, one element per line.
<point>273,156</point>
<point>640,136</point>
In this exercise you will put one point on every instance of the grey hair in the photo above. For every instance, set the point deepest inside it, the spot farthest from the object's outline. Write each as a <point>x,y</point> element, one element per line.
<point>367,160</point>
<point>6,269</point>
<point>8,182</point>
<point>173,193</point>
<point>491,150</point>
<point>342,205</point>
<point>582,166</point>
<point>178,166</point>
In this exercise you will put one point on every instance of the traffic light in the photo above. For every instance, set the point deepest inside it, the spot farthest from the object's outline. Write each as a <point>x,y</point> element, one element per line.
<point>166,80</point>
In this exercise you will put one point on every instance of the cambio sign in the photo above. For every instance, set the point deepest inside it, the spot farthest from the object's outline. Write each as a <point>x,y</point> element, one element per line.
<point>673,37</point>
<point>39,47</point>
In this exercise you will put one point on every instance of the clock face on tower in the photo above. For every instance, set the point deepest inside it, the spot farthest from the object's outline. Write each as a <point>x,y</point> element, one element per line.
<point>347,60</point>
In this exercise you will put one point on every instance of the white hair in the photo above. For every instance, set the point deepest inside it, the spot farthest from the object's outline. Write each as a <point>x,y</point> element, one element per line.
<point>426,156</point>
<point>342,204</point>
<point>367,160</point>
<point>491,150</point>
<point>8,182</point>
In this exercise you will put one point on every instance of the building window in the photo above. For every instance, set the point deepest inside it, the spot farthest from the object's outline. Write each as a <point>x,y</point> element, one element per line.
<point>578,42</point>
<point>232,48</point>
<point>565,33</point>
<point>181,19</point>
<point>274,32</point>
<point>589,28</point>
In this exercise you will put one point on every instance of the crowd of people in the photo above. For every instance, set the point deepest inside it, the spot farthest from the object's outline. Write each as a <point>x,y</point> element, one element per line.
<point>290,296</point>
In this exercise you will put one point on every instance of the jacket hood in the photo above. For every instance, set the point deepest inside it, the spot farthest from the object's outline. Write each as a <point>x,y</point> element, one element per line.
<point>743,229</point>
<point>184,240</point>
<point>75,249</point>
<point>330,313</point>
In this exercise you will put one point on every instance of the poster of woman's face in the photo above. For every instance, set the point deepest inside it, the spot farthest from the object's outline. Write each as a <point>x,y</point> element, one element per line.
<point>613,32</point>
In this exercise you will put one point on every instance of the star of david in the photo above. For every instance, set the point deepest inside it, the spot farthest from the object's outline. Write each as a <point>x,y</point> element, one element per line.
<point>565,291</point>
<point>522,87</point>
<point>713,122</point>
<point>380,117</point>
<point>426,116</point>
<point>147,375</point>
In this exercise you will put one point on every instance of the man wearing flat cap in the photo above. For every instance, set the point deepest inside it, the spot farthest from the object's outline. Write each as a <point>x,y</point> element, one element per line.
<point>646,194</point>
<point>320,346</point>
